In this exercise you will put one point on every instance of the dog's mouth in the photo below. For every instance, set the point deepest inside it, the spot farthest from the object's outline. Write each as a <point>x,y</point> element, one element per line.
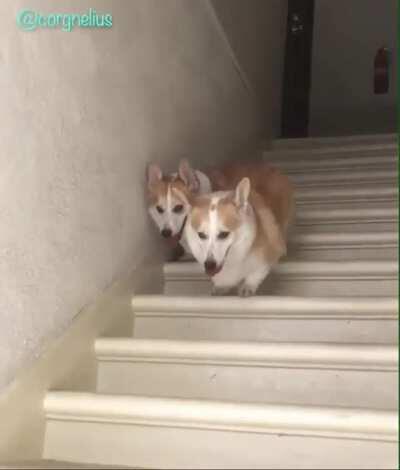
<point>212,271</point>
<point>174,240</point>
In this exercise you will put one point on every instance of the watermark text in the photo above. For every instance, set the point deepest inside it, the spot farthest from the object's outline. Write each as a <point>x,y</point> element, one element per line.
<point>29,20</point>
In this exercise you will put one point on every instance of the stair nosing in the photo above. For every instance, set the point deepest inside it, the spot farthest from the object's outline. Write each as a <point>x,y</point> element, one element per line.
<point>279,307</point>
<point>346,194</point>
<point>329,148</point>
<point>306,171</point>
<point>306,215</point>
<point>346,183</point>
<point>332,356</point>
<point>356,147</point>
<point>345,240</point>
<point>286,161</point>
<point>353,423</point>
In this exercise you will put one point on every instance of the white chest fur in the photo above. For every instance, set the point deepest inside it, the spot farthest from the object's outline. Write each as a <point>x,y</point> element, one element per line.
<point>243,266</point>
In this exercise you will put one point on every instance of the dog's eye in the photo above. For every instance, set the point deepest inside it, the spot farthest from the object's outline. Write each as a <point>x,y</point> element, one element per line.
<point>202,235</point>
<point>223,235</point>
<point>178,208</point>
<point>160,210</point>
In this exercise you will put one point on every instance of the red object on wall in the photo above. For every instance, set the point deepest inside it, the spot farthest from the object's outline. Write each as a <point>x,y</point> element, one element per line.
<point>381,71</point>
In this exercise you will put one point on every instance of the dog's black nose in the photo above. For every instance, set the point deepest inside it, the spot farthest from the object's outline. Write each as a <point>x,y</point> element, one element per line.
<point>210,265</point>
<point>166,232</point>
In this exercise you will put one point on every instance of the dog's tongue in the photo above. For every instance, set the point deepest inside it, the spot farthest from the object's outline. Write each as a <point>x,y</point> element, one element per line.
<point>213,272</point>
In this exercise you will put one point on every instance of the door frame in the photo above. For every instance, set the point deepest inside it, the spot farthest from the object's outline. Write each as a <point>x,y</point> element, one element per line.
<point>296,89</point>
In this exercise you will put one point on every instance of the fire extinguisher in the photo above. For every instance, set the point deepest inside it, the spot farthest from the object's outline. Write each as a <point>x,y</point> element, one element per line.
<point>381,71</point>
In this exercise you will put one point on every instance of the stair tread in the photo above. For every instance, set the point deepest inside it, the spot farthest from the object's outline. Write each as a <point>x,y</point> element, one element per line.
<point>309,269</point>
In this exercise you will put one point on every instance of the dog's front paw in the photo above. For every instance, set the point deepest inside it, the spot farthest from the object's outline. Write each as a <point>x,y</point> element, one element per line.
<point>244,290</point>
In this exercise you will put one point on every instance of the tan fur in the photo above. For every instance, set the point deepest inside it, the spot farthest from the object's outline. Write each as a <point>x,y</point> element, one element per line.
<point>157,191</point>
<point>200,210</point>
<point>271,197</point>
<point>160,189</point>
<point>227,212</point>
<point>270,240</point>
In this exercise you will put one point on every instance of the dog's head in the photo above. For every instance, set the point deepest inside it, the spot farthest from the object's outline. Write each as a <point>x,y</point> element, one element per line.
<point>169,199</point>
<point>214,224</point>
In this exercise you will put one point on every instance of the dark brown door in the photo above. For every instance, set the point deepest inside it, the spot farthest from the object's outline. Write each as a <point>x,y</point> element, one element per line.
<point>297,68</point>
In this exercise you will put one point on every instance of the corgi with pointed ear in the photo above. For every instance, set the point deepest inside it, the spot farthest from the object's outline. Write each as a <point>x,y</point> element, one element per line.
<point>239,235</point>
<point>169,197</point>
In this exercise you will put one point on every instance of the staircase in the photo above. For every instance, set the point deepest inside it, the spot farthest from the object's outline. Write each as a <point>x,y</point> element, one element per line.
<point>303,375</point>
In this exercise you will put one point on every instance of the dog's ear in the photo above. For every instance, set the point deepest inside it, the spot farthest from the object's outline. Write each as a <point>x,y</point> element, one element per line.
<point>181,196</point>
<point>188,176</point>
<point>154,174</point>
<point>242,193</point>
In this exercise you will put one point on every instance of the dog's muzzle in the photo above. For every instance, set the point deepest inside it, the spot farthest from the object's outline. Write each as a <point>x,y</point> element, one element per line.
<point>173,240</point>
<point>211,268</point>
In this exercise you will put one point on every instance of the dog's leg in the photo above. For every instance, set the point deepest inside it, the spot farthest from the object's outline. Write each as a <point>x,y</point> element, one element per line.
<point>252,282</point>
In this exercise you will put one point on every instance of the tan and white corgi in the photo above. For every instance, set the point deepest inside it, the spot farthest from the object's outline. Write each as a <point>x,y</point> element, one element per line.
<point>240,234</point>
<point>167,207</point>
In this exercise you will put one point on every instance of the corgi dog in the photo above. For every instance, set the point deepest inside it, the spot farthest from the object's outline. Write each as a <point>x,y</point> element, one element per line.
<point>239,234</point>
<point>168,197</point>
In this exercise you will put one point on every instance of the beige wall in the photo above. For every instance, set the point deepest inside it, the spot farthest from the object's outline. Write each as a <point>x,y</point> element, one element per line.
<point>256,30</point>
<point>81,115</point>
<point>347,34</point>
